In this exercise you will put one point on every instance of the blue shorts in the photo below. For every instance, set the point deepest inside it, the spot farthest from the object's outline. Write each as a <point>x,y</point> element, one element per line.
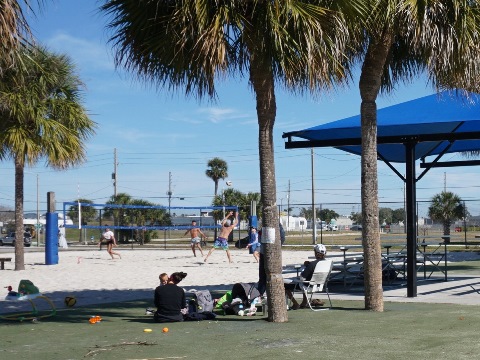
<point>221,243</point>
<point>254,248</point>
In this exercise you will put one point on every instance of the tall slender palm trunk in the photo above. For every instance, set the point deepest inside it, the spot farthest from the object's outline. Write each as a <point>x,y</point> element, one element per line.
<point>19,247</point>
<point>215,230</point>
<point>370,82</point>
<point>262,80</point>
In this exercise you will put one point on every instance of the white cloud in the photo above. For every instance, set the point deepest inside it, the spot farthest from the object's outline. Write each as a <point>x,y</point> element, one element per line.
<point>217,115</point>
<point>86,54</point>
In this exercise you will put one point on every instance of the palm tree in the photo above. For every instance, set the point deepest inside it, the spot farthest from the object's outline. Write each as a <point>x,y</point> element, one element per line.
<point>398,41</point>
<point>14,31</point>
<point>230,197</point>
<point>218,169</point>
<point>141,216</point>
<point>254,196</point>
<point>190,44</point>
<point>86,213</point>
<point>41,117</point>
<point>118,214</point>
<point>446,207</point>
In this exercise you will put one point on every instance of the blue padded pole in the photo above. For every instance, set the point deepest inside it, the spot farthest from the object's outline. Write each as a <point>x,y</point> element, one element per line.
<point>51,239</point>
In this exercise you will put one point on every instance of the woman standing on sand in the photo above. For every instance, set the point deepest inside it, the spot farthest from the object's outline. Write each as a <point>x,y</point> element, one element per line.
<point>110,240</point>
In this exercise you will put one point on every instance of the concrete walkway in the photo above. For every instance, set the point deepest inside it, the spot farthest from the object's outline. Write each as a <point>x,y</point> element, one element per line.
<point>459,289</point>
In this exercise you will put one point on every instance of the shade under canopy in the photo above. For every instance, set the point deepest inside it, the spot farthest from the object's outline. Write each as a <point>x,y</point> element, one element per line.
<point>433,125</point>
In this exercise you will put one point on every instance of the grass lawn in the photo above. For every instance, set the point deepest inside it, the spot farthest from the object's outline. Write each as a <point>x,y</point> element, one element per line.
<point>402,331</point>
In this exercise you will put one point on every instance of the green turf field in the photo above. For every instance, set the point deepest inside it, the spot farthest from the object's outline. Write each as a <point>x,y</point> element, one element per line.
<point>403,331</point>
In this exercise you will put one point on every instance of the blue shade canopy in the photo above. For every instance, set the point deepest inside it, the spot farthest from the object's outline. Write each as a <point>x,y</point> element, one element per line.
<point>432,122</point>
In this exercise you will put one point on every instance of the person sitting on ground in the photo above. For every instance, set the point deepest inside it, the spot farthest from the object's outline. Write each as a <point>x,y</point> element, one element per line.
<point>307,273</point>
<point>170,300</point>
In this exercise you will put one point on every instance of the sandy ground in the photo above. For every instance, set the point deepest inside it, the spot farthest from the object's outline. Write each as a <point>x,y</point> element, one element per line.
<point>92,277</point>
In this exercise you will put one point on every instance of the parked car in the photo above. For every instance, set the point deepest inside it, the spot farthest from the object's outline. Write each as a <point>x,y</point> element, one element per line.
<point>356,228</point>
<point>332,227</point>
<point>10,239</point>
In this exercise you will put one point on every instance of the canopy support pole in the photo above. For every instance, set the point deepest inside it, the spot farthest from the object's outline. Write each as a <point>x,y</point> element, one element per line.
<point>411,199</point>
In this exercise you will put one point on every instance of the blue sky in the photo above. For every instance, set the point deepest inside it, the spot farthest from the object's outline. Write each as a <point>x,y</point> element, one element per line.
<point>157,133</point>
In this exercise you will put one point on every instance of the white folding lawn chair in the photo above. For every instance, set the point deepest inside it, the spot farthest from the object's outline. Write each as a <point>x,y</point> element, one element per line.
<point>317,284</point>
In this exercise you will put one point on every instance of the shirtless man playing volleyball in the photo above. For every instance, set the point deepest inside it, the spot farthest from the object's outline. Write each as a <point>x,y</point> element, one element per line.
<point>195,233</point>
<point>221,242</point>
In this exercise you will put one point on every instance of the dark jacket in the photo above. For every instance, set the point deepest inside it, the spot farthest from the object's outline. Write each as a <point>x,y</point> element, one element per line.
<point>307,273</point>
<point>169,300</point>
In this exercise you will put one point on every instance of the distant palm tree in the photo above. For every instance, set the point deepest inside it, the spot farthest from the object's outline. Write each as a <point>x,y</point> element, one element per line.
<point>218,169</point>
<point>88,213</point>
<point>118,214</point>
<point>446,207</point>
<point>41,116</point>
<point>141,217</point>
<point>257,197</point>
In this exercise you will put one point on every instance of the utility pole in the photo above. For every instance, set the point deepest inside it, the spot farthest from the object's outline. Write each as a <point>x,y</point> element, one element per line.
<point>37,225</point>
<point>114,178</point>
<point>169,192</point>
<point>314,217</point>
<point>288,206</point>
<point>114,174</point>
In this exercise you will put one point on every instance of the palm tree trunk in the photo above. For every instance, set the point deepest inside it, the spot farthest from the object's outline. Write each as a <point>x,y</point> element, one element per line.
<point>19,248</point>
<point>262,80</point>
<point>446,227</point>
<point>215,230</point>
<point>370,82</point>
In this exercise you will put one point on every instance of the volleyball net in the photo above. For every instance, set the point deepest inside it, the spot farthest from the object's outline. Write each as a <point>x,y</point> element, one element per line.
<point>77,215</point>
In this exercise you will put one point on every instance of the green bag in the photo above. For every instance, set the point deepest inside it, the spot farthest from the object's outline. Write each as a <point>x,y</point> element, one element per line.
<point>225,298</point>
<point>26,287</point>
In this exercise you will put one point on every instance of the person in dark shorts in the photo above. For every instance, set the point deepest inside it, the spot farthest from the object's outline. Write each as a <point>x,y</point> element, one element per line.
<point>108,238</point>
<point>221,242</point>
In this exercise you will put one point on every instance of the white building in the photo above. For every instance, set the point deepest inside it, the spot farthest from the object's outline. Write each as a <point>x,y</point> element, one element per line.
<point>294,223</point>
<point>31,219</point>
<point>344,222</point>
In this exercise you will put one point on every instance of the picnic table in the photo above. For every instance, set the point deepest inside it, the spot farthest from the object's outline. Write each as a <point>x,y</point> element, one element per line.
<point>348,270</point>
<point>292,268</point>
<point>431,257</point>
<point>3,260</point>
<point>432,254</point>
